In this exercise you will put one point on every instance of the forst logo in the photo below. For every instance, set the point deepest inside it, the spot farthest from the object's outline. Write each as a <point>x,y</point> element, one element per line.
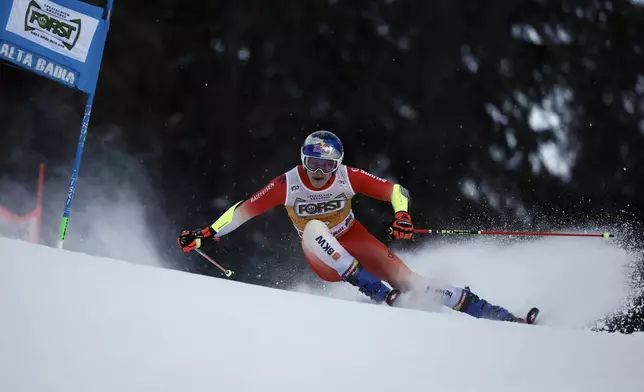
<point>320,207</point>
<point>52,22</point>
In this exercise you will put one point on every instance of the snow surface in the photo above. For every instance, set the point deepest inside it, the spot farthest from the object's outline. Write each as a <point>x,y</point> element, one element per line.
<point>70,322</point>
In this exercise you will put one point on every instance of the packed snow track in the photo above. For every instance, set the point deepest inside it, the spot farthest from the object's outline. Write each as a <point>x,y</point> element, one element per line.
<point>74,323</point>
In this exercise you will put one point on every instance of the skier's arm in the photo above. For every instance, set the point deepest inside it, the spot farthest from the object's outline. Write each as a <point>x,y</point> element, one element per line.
<point>272,195</point>
<point>401,226</point>
<point>266,198</point>
<point>379,188</point>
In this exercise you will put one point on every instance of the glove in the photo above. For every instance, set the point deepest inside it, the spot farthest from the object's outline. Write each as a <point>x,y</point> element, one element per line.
<point>190,240</point>
<point>401,227</point>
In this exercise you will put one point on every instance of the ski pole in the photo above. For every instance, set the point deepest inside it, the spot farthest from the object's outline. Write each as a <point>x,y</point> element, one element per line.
<point>226,272</point>
<point>522,233</point>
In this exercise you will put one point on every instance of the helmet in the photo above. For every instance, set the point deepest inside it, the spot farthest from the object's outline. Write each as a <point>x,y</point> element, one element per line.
<point>322,150</point>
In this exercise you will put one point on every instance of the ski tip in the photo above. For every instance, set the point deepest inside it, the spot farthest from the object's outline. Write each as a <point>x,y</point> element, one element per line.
<point>531,317</point>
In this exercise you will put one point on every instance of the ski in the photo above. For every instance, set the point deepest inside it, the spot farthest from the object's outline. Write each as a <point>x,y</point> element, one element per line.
<point>531,317</point>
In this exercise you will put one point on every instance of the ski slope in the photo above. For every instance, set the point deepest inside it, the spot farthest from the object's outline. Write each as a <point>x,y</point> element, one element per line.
<point>70,322</point>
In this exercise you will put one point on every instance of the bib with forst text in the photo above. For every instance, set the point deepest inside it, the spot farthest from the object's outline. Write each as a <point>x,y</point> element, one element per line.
<point>332,205</point>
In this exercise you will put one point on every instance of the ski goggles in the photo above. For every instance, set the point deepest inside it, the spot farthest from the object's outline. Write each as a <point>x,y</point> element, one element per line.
<point>327,166</point>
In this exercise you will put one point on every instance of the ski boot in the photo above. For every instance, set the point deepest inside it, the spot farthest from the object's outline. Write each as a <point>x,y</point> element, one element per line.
<point>470,303</point>
<point>474,305</point>
<point>369,284</point>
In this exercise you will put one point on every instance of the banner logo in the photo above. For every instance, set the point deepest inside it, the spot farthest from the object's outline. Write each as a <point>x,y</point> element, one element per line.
<point>52,22</point>
<point>53,26</point>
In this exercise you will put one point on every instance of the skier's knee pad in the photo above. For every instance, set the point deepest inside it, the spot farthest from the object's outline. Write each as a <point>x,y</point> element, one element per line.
<point>317,240</point>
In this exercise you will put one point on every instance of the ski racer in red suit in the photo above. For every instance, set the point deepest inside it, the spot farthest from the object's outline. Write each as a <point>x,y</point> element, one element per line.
<point>317,196</point>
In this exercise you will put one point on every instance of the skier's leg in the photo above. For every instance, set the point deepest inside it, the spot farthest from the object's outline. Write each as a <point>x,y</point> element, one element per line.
<point>379,259</point>
<point>332,262</point>
<point>384,263</point>
<point>322,270</point>
<point>420,292</point>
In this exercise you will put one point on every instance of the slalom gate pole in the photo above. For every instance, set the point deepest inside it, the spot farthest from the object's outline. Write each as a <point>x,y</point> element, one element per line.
<point>71,190</point>
<point>226,272</point>
<point>39,196</point>
<point>509,233</point>
<point>26,28</point>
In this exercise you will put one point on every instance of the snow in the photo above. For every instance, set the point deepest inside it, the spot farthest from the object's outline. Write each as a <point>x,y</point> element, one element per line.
<point>72,322</point>
<point>574,281</point>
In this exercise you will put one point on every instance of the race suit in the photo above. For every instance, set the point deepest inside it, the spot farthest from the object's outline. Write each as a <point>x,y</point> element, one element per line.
<point>331,205</point>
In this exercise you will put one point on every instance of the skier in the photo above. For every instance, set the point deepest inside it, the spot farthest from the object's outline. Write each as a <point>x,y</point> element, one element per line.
<point>317,196</point>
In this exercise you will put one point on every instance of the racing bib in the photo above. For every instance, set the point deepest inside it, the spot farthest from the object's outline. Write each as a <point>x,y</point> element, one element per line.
<point>332,205</point>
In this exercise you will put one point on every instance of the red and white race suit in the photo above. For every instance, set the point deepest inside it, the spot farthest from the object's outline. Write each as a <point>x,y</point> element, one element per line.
<point>331,205</point>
